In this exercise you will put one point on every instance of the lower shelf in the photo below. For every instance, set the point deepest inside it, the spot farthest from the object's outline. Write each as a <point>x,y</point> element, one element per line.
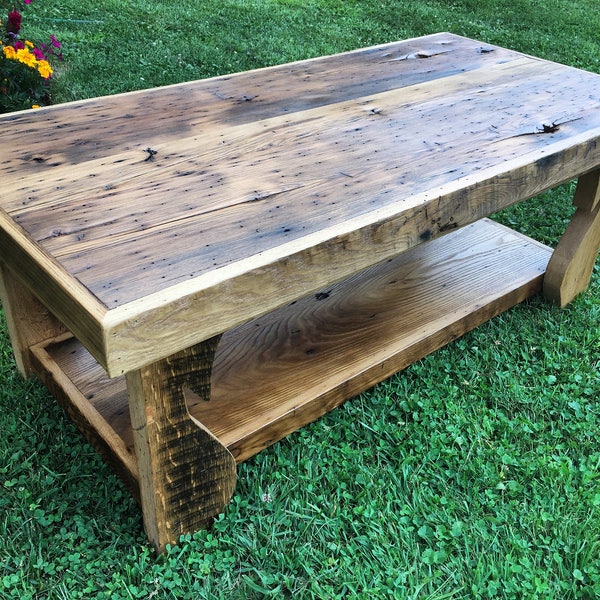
<point>281,371</point>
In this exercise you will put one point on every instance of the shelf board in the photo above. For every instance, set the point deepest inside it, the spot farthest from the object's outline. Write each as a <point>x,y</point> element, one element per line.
<point>287,368</point>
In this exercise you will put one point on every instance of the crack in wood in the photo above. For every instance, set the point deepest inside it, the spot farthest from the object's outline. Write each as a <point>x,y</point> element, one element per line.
<point>418,54</point>
<point>553,127</point>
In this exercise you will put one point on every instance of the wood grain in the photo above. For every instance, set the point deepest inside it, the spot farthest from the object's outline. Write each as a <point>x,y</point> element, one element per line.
<point>28,320</point>
<point>186,476</point>
<point>572,262</point>
<point>276,373</point>
<point>304,359</point>
<point>213,200</point>
<point>271,184</point>
<point>61,294</point>
<point>58,362</point>
<point>136,120</point>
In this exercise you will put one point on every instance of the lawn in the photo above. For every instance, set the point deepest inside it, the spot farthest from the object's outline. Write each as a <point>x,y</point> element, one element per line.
<point>475,473</point>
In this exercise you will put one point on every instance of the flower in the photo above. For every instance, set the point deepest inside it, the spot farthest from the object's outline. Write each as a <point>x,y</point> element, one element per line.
<point>44,69</point>
<point>25,70</point>
<point>9,52</point>
<point>14,22</point>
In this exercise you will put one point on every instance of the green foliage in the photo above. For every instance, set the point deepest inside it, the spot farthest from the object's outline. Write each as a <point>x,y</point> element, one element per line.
<point>21,86</point>
<point>475,473</point>
<point>25,73</point>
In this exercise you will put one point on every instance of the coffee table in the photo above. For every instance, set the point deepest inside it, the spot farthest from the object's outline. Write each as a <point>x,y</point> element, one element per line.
<point>197,270</point>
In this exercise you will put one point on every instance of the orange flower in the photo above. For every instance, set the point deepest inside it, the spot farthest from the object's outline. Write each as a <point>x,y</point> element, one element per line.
<point>9,52</point>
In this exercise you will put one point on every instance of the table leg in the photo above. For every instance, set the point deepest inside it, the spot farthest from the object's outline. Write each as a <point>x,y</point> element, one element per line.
<point>572,263</point>
<point>29,322</point>
<point>186,475</point>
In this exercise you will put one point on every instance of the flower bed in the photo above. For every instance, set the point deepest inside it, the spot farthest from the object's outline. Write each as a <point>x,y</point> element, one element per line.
<point>25,69</point>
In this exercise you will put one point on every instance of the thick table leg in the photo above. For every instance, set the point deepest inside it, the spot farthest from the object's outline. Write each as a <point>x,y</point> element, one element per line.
<point>28,321</point>
<point>572,263</point>
<point>186,475</point>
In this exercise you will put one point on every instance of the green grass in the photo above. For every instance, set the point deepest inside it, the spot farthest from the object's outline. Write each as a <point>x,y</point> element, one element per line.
<point>475,473</point>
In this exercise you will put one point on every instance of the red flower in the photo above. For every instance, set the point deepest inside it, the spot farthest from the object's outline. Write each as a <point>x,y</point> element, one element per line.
<point>14,22</point>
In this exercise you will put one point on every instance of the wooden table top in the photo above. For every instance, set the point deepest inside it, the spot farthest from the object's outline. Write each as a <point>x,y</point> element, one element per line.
<point>152,220</point>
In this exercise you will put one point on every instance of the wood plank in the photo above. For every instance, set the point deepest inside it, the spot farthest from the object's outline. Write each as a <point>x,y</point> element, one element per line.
<point>238,98</point>
<point>291,192</point>
<point>62,295</point>
<point>55,362</point>
<point>572,262</point>
<point>79,380</point>
<point>206,178</point>
<point>186,476</point>
<point>231,295</point>
<point>199,187</point>
<point>28,320</point>
<point>380,321</point>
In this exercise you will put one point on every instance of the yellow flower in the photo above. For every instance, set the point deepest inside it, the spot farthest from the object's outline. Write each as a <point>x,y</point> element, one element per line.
<point>9,52</point>
<point>35,106</point>
<point>29,44</point>
<point>44,68</point>
<point>24,56</point>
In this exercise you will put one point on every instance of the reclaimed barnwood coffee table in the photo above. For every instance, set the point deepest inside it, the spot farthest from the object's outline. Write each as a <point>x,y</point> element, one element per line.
<point>196,271</point>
